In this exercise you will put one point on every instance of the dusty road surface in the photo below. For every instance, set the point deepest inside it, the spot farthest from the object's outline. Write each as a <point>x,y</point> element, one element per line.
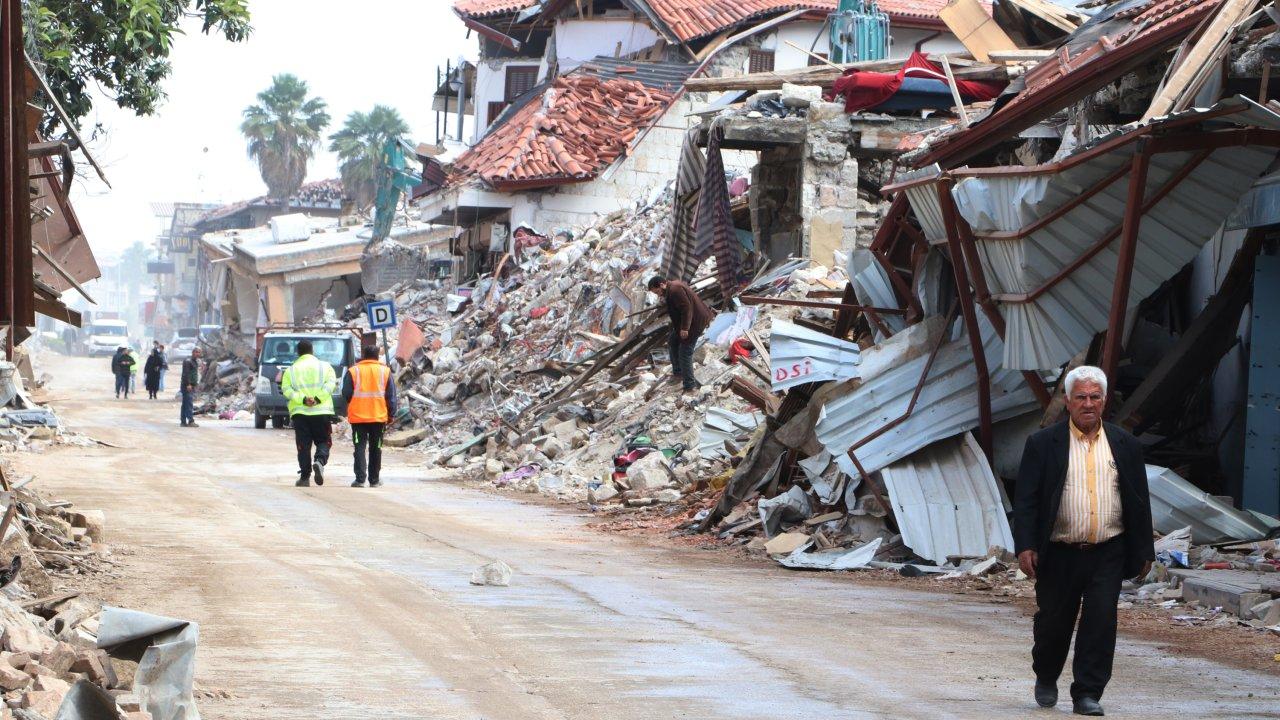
<point>341,603</point>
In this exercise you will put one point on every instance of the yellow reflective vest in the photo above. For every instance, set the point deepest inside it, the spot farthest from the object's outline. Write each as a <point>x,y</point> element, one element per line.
<point>309,376</point>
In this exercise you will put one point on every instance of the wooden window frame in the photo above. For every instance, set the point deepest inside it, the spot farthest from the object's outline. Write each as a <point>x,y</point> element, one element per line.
<point>509,86</point>
<point>758,59</point>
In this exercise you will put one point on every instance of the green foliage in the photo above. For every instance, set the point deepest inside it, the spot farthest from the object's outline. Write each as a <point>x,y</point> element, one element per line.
<point>283,130</point>
<point>122,46</point>
<point>359,147</point>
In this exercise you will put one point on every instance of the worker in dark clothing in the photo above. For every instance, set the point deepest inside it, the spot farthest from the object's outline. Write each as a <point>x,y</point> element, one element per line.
<point>122,368</point>
<point>189,380</point>
<point>370,393</point>
<point>689,319</point>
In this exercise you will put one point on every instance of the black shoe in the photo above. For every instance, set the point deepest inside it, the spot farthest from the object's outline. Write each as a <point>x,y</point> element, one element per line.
<point>358,483</point>
<point>318,471</point>
<point>1046,694</point>
<point>1087,706</point>
<point>303,482</point>
<point>375,483</point>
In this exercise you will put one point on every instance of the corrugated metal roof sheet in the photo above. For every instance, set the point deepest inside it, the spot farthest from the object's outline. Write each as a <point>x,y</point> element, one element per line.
<point>1176,503</point>
<point>947,502</point>
<point>871,285</point>
<point>1051,329</point>
<point>798,355</point>
<point>948,404</point>
<point>720,425</point>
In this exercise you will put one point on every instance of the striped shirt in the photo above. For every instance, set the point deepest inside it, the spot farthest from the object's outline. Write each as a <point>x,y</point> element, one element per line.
<point>1090,507</point>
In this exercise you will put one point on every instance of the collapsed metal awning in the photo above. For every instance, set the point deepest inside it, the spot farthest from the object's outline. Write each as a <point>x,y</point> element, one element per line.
<point>1176,503</point>
<point>947,502</point>
<point>918,402</point>
<point>1049,237</point>
<point>799,355</point>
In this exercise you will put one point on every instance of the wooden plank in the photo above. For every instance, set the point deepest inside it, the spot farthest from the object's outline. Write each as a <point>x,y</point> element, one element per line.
<point>1182,81</point>
<point>826,76</point>
<point>1020,55</point>
<point>976,30</point>
<point>48,600</point>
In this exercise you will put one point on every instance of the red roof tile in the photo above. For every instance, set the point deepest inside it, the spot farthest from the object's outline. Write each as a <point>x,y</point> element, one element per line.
<point>579,126</point>
<point>692,19</point>
<point>485,8</point>
<point>1095,55</point>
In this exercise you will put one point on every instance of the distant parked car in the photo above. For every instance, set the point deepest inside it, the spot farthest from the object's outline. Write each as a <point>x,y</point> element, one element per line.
<point>184,341</point>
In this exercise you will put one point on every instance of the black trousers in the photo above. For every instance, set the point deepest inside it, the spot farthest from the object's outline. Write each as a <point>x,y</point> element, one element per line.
<point>1086,583</point>
<point>311,430</point>
<point>681,352</point>
<point>368,441</point>
<point>122,384</point>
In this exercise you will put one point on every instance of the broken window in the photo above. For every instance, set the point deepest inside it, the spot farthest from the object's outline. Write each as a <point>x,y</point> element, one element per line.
<point>817,59</point>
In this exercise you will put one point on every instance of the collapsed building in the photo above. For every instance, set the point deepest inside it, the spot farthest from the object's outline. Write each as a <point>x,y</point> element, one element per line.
<point>915,251</point>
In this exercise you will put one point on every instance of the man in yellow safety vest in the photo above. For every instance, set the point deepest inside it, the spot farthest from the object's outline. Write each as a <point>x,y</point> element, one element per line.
<point>371,404</point>
<point>308,385</point>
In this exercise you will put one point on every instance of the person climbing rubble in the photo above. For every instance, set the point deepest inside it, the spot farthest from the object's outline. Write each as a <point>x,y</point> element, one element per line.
<point>370,393</point>
<point>308,385</point>
<point>689,319</point>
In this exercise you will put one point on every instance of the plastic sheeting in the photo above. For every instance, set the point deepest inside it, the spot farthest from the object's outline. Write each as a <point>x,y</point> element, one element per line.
<point>799,355</point>
<point>86,701</point>
<point>722,425</point>
<point>167,665</point>
<point>854,559</point>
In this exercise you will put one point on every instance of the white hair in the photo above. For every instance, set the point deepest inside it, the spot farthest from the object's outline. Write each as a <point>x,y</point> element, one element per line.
<point>1087,373</point>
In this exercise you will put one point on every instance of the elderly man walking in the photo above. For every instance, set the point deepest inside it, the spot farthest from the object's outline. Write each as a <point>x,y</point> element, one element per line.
<point>1081,524</point>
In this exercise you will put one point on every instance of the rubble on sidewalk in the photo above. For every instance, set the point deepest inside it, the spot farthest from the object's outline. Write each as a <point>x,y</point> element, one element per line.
<point>59,649</point>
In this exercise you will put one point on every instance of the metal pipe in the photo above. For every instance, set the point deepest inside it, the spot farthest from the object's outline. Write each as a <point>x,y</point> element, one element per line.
<point>818,304</point>
<point>967,303</point>
<point>1124,264</point>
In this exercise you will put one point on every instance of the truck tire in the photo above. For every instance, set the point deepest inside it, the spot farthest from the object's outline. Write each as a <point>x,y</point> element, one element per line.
<point>259,420</point>
<point>277,421</point>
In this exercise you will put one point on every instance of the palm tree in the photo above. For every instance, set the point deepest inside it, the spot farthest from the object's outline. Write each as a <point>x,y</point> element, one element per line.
<point>283,130</point>
<point>359,145</point>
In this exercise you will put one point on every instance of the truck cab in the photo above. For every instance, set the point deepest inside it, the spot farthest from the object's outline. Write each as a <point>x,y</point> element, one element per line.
<point>277,350</point>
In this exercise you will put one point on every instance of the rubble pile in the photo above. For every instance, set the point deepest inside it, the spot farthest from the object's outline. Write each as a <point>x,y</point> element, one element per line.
<point>27,425</point>
<point>525,381</point>
<point>226,378</point>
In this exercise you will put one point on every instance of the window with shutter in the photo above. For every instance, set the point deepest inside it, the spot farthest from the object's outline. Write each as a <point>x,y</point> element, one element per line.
<point>495,109</point>
<point>817,60</point>
<point>520,80</point>
<point>761,61</point>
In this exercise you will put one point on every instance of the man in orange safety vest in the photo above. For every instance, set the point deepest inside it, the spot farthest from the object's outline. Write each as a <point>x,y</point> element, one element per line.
<point>371,404</point>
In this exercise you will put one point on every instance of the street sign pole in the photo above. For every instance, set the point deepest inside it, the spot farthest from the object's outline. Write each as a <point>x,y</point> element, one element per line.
<point>386,353</point>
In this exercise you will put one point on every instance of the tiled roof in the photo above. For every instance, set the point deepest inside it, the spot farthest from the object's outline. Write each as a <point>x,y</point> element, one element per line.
<point>318,193</point>
<point>579,126</point>
<point>667,76</point>
<point>1111,44</point>
<point>692,19</point>
<point>486,8</point>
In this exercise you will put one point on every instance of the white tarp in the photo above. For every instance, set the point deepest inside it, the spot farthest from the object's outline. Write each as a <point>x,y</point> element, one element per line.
<point>831,559</point>
<point>721,425</point>
<point>166,669</point>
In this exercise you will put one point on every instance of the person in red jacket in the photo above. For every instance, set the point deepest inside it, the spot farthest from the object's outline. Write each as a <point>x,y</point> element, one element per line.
<point>689,319</point>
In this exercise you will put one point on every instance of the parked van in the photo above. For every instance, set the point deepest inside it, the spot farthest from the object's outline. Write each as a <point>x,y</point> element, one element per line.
<point>278,350</point>
<point>107,335</point>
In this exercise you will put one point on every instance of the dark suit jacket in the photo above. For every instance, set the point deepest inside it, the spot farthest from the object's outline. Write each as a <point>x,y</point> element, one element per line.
<point>1043,475</point>
<point>686,309</point>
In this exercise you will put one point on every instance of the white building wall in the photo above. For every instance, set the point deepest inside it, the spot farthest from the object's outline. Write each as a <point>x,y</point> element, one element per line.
<point>491,86</point>
<point>803,34</point>
<point>577,41</point>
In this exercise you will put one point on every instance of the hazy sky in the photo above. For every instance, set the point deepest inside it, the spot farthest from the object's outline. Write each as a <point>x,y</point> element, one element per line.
<point>352,54</point>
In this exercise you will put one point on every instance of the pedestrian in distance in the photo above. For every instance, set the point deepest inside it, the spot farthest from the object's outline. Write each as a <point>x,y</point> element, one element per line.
<point>151,372</point>
<point>689,319</point>
<point>1081,525</point>
<point>370,393</point>
<point>308,384</point>
<point>189,381</point>
<point>134,366</point>
<point>164,363</point>
<point>121,368</point>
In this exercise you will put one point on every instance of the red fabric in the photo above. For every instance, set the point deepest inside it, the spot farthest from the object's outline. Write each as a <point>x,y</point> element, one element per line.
<point>539,312</point>
<point>862,90</point>
<point>741,348</point>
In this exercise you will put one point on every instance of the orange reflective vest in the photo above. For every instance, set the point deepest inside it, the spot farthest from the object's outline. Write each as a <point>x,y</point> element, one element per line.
<point>368,404</point>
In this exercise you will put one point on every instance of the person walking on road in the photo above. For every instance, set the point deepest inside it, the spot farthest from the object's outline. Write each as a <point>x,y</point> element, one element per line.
<point>689,319</point>
<point>188,382</point>
<point>308,384</point>
<point>121,364</point>
<point>164,364</point>
<point>151,372</point>
<point>133,370</point>
<point>371,403</point>
<point>1081,525</point>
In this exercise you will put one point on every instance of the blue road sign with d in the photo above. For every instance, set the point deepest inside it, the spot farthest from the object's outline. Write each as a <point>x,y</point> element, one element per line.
<point>382,314</point>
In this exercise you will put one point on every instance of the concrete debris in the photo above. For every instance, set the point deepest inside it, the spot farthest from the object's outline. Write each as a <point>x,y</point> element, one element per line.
<point>496,573</point>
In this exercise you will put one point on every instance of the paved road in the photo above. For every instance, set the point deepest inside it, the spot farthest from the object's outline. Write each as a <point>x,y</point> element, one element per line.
<point>343,603</point>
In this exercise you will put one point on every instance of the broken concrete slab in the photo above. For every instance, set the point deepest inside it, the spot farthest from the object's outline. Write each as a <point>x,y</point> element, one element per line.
<point>1235,591</point>
<point>496,573</point>
<point>786,543</point>
<point>405,438</point>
